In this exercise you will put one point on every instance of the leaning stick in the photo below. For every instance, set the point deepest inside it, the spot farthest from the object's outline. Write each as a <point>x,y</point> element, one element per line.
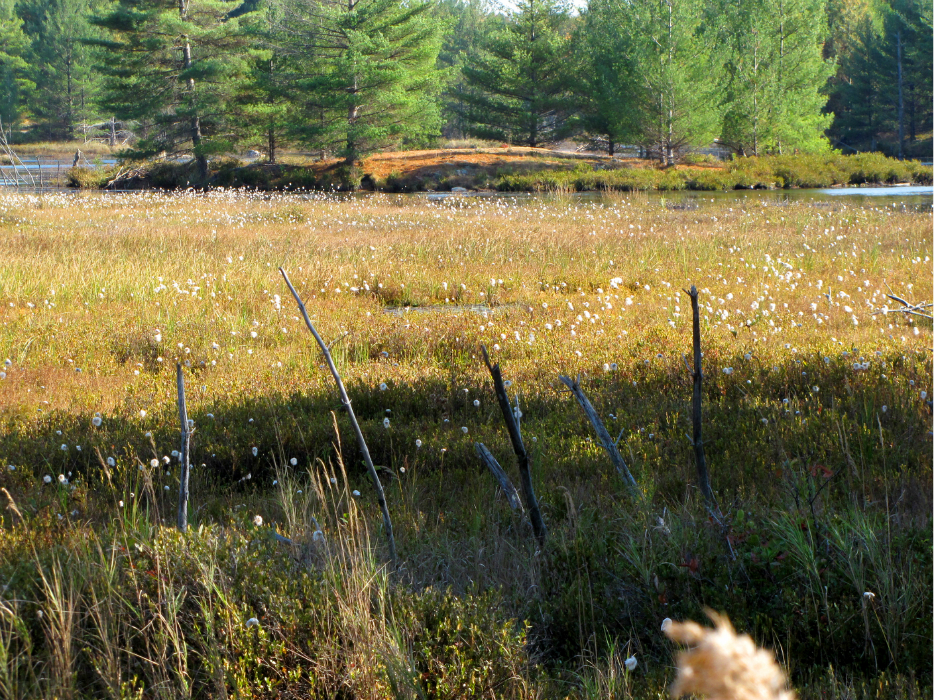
<point>345,400</point>
<point>608,444</point>
<point>512,496</point>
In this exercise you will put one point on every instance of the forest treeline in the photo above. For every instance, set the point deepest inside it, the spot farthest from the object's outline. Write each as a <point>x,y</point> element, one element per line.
<point>350,77</point>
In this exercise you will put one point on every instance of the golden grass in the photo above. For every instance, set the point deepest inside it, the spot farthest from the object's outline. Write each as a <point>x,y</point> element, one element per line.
<point>85,282</point>
<point>121,286</point>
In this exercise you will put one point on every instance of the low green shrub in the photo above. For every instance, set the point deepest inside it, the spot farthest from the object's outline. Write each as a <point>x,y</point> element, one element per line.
<point>89,178</point>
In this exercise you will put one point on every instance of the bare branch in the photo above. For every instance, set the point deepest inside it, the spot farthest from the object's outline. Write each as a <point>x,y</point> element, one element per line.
<point>345,400</point>
<point>615,457</point>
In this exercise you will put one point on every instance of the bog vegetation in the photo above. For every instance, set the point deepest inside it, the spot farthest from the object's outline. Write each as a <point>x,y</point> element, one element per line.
<point>817,420</point>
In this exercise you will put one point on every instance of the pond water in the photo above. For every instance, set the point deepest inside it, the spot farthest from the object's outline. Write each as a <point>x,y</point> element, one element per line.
<point>910,195</point>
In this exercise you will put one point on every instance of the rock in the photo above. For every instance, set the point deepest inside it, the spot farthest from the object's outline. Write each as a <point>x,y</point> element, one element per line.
<point>458,190</point>
<point>254,154</point>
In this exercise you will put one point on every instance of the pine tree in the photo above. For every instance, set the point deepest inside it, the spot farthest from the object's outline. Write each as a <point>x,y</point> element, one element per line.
<point>859,117</point>
<point>601,78</point>
<point>905,65</point>
<point>672,64</point>
<point>265,105</point>
<point>62,63</point>
<point>883,97</point>
<point>173,67</point>
<point>513,85</point>
<point>468,24</point>
<point>366,73</point>
<point>775,75</point>
<point>15,84</point>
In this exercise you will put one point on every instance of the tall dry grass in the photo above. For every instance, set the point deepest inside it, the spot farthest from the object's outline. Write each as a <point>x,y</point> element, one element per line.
<point>826,490</point>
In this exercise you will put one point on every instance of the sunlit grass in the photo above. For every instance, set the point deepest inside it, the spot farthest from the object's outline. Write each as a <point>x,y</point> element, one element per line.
<point>814,414</point>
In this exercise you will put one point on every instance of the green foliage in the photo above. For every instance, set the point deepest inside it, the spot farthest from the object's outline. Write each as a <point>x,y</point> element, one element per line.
<point>370,82</point>
<point>513,88</point>
<point>601,78</point>
<point>774,75</point>
<point>62,64</point>
<point>173,68</point>
<point>674,87</point>
<point>765,172</point>
<point>882,97</point>
<point>15,82</point>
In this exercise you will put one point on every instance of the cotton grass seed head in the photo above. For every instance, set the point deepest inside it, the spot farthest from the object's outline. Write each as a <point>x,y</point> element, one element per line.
<point>722,665</point>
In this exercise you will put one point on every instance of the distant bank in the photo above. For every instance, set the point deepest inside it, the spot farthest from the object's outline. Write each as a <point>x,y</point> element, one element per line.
<point>511,169</point>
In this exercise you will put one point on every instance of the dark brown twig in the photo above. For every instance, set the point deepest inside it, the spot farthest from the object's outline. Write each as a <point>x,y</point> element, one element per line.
<point>703,478</point>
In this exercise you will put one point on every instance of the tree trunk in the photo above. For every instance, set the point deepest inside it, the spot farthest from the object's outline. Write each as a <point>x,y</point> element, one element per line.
<point>69,106</point>
<point>612,148</point>
<point>271,144</point>
<point>195,119</point>
<point>901,96</point>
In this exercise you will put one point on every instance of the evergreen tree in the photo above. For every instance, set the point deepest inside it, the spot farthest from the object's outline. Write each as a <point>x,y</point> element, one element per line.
<point>673,75</point>
<point>775,75</point>
<point>15,84</point>
<point>264,104</point>
<point>883,97</point>
<point>173,66</point>
<point>601,77</point>
<point>513,87</point>
<point>905,67</point>
<point>468,25</point>
<point>367,75</point>
<point>858,113</point>
<point>62,63</point>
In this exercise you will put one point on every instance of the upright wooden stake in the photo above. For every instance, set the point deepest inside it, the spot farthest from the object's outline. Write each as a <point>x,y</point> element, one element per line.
<point>186,444</point>
<point>345,400</point>
<point>525,472</point>
<point>702,477</point>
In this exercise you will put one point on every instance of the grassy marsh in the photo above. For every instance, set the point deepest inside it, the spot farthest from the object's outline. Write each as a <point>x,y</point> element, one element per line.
<point>817,418</point>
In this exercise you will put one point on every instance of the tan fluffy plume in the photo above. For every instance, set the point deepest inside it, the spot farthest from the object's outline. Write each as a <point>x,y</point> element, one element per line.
<point>723,665</point>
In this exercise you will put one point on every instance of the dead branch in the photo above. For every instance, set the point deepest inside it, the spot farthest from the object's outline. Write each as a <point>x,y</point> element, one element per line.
<point>525,472</point>
<point>186,445</point>
<point>703,478</point>
<point>512,496</point>
<point>345,400</point>
<point>602,435</point>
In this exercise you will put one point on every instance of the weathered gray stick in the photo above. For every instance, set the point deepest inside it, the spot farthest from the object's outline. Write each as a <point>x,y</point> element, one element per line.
<point>512,496</point>
<point>525,471</point>
<point>703,478</point>
<point>345,400</point>
<point>186,443</point>
<point>602,435</point>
